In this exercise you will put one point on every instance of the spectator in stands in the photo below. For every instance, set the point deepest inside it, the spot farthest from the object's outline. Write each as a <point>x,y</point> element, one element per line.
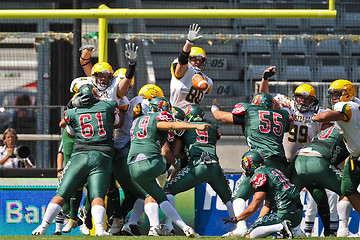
<point>20,118</point>
<point>10,155</point>
<point>182,92</point>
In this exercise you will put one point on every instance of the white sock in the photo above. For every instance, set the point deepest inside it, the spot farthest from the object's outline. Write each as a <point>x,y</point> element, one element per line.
<point>152,211</point>
<point>230,209</point>
<point>137,211</point>
<point>171,212</point>
<point>171,199</point>
<point>239,205</point>
<point>59,222</point>
<point>98,214</point>
<point>52,210</point>
<point>263,231</point>
<point>344,208</point>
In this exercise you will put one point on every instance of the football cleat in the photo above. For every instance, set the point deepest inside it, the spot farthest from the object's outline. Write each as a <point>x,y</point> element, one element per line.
<point>116,226</point>
<point>57,233</point>
<point>40,230</point>
<point>84,229</point>
<point>69,226</point>
<point>287,231</point>
<point>190,233</point>
<point>102,232</point>
<point>159,231</point>
<point>130,229</point>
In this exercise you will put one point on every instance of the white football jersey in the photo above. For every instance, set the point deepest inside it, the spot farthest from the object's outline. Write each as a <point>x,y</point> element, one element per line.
<point>122,135</point>
<point>350,128</point>
<point>109,93</point>
<point>304,128</point>
<point>182,92</point>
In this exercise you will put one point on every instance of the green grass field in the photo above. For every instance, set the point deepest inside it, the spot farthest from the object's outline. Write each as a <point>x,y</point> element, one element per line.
<point>49,237</point>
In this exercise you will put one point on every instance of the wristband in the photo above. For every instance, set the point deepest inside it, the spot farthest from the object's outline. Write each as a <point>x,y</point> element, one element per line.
<point>130,71</point>
<point>85,63</point>
<point>85,58</point>
<point>214,108</point>
<point>189,42</point>
<point>59,170</point>
<point>183,57</point>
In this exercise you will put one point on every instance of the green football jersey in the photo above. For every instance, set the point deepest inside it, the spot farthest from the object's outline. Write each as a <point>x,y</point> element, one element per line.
<point>93,126</point>
<point>264,128</point>
<point>146,138</point>
<point>330,143</point>
<point>280,192</point>
<point>200,145</point>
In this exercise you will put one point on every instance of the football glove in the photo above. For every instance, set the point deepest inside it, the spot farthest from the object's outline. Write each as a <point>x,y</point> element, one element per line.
<point>131,53</point>
<point>81,101</point>
<point>268,74</point>
<point>90,48</point>
<point>230,220</point>
<point>193,34</point>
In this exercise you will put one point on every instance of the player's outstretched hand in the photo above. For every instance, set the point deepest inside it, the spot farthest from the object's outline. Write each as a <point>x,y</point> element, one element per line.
<point>81,101</point>
<point>269,72</point>
<point>131,50</point>
<point>193,34</point>
<point>90,48</point>
<point>230,220</point>
<point>203,127</point>
<point>215,102</point>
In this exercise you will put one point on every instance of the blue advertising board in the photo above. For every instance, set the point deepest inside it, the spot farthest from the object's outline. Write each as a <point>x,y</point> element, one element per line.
<point>209,210</point>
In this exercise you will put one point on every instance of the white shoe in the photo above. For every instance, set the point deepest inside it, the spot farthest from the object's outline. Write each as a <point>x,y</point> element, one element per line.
<point>102,232</point>
<point>116,226</point>
<point>287,229</point>
<point>130,229</point>
<point>84,230</point>
<point>190,233</point>
<point>239,231</point>
<point>343,232</point>
<point>40,230</point>
<point>298,232</point>
<point>228,234</point>
<point>153,232</point>
<point>69,226</point>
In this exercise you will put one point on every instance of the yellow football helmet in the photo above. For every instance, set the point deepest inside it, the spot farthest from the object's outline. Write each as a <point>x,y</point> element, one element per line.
<point>149,91</point>
<point>102,67</point>
<point>121,73</point>
<point>198,52</point>
<point>306,92</point>
<point>343,88</point>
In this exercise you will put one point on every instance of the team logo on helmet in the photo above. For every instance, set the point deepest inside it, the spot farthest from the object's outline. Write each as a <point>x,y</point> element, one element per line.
<point>159,104</point>
<point>263,100</point>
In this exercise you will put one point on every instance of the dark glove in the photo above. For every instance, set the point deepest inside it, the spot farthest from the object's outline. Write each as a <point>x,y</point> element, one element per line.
<point>230,220</point>
<point>81,101</point>
<point>177,164</point>
<point>269,74</point>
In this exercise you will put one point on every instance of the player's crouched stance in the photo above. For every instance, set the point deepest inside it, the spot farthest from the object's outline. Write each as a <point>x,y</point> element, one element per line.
<point>270,184</point>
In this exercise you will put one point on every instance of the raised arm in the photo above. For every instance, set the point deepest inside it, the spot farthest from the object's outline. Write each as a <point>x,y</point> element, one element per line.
<point>131,50</point>
<point>85,57</point>
<point>268,73</point>
<point>183,58</point>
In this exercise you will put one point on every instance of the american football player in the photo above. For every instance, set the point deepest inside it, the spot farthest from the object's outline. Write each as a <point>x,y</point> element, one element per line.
<point>261,123</point>
<point>302,107</point>
<point>346,115</point>
<point>91,160</point>
<point>203,161</point>
<point>191,60</point>
<point>145,160</point>
<point>269,184</point>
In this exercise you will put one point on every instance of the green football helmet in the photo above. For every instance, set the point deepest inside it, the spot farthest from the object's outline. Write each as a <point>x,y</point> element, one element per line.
<point>159,104</point>
<point>263,100</point>
<point>194,113</point>
<point>178,114</point>
<point>89,90</point>
<point>250,161</point>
